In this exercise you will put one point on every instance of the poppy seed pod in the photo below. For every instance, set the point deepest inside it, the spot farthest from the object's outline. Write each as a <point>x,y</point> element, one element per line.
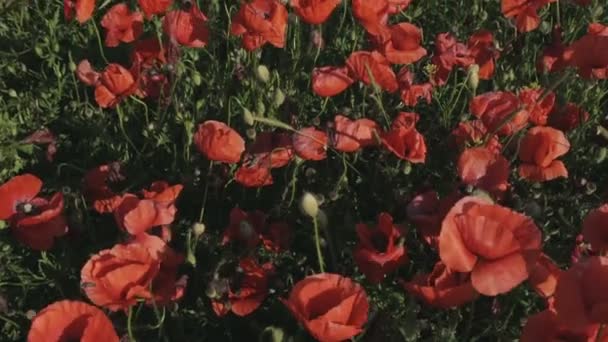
<point>278,98</point>
<point>309,205</point>
<point>248,117</point>
<point>198,229</point>
<point>473,79</point>
<point>262,73</point>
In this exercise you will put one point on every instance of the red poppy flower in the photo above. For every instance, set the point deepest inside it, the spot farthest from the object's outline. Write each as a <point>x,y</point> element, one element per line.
<point>86,74</point>
<point>152,7</point>
<point>370,67</point>
<point>402,45</point>
<point>524,12</point>
<point>244,227</point>
<point>83,8</point>
<point>500,112</point>
<point>116,278</point>
<point>580,296</point>
<point>121,25</point>
<point>148,59</point>
<point>35,221</point>
<point>331,307</point>
<point>276,236</point>
<point>411,93</point>
<point>404,140</point>
<point>372,15</point>
<point>442,288</point>
<point>253,175</point>
<point>261,22</point>
<point>44,136</point>
<point>481,48</point>
<point>568,117</point>
<point>544,276</point>
<point>310,144</point>
<point>396,6</point>
<point>274,150</point>
<point>248,293</point>
<point>352,135</point>
<point>552,58</point>
<point>473,133</point>
<point>595,231</point>
<point>449,54</point>
<point>497,245</point>
<point>71,320</point>
<point>115,83</point>
<point>218,142</point>
<point>379,251</point>
<point>484,169</point>
<point>97,191</point>
<point>588,55</point>
<point>166,287</point>
<point>314,11</point>
<point>538,151</point>
<point>597,29</point>
<point>544,327</point>
<point>426,211</point>
<point>539,111</point>
<point>330,81</point>
<point>187,28</point>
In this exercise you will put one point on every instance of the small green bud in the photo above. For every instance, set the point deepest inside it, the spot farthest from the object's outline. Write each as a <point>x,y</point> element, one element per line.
<point>12,93</point>
<point>72,66</point>
<point>260,108</point>
<point>473,79</point>
<point>601,155</point>
<point>248,117</point>
<point>196,78</point>
<point>251,133</point>
<point>272,334</point>
<point>262,73</point>
<point>407,169</point>
<point>309,205</point>
<point>278,98</point>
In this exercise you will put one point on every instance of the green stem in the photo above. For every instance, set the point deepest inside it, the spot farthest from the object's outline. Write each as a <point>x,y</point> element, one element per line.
<point>122,128</point>
<point>318,245</point>
<point>202,212</point>
<point>129,324</point>
<point>99,43</point>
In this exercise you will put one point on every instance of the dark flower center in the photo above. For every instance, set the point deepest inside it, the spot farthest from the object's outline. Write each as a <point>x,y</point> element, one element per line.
<point>380,242</point>
<point>27,208</point>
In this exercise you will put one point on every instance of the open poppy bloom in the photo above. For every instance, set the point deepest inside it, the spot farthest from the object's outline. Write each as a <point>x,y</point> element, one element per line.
<point>83,9</point>
<point>442,288</point>
<point>481,48</point>
<point>525,12</point>
<point>218,142</point>
<point>500,112</point>
<point>426,211</point>
<point>276,236</point>
<point>111,85</point>
<point>598,29</point>
<point>117,278</point>
<point>330,81</point>
<point>148,60</point>
<point>588,55</point>
<point>472,133</point>
<point>544,327</point>
<point>449,53</point>
<point>595,231</point>
<point>379,251</point>
<point>352,135</point>
<point>187,27</point>
<point>538,110</point>
<point>248,289</point>
<point>121,25</point>
<point>402,45</point>
<point>372,15</point>
<point>314,11</point>
<point>331,307</point>
<point>372,68</point>
<point>152,7</point>
<point>580,296</point>
<point>538,152</point>
<point>96,187</point>
<point>69,320</point>
<point>404,140</point>
<point>244,227</point>
<point>271,149</point>
<point>310,144</point>
<point>261,22</point>
<point>552,58</point>
<point>544,276</point>
<point>253,174</point>
<point>484,169</point>
<point>412,93</point>
<point>157,208</point>
<point>567,117</point>
<point>35,221</point>
<point>497,245</point>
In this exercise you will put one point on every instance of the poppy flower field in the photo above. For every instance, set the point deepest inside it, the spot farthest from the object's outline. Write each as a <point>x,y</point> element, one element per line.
<point>304,170</point>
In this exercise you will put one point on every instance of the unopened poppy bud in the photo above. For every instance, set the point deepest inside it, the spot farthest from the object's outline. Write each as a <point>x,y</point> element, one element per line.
<point>251,133</point>
<point>262,73</point>
<point>199,104</point>
<point>272,334</point>
<point>407,169</point>
<point>278,98</point>
<point>196,78</point>
<point>30,314</point>
<point>597,11</point>
<point>12,93</point>
<point>198,229</point>
<point>3,225</point>
<point>590,188</point>
<point>309,205</point>
<point>260,108</point>
<point>248,117</point>
<point>601,155</point>
<point>473,79</point>
<point>72,66</point>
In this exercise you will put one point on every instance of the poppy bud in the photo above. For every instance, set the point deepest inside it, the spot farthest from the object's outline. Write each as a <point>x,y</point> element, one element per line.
<point>309,205</point>
<point>473,78</point>
<point>30,314</point>
<point>197,78</point>
<point>278,98</point>
<point>199,104</point>
<point>262,73</point>
<point>198,229</point>
<point>260,108</point>
<point>272,334</point>
<point>72,66</point>
<point>3,225</point>
<point>248,117</point>
<point>12,93</point>
<point>590,188</point>
<point>600,155</point>
<point>251,133</point>
<point>407,169</point>
<point>597,11</point>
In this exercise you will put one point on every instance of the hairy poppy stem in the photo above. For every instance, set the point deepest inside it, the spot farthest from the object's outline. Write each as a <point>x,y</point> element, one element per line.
<point>129,324</point>
<point>99,43</point>
<point>318,245</point>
